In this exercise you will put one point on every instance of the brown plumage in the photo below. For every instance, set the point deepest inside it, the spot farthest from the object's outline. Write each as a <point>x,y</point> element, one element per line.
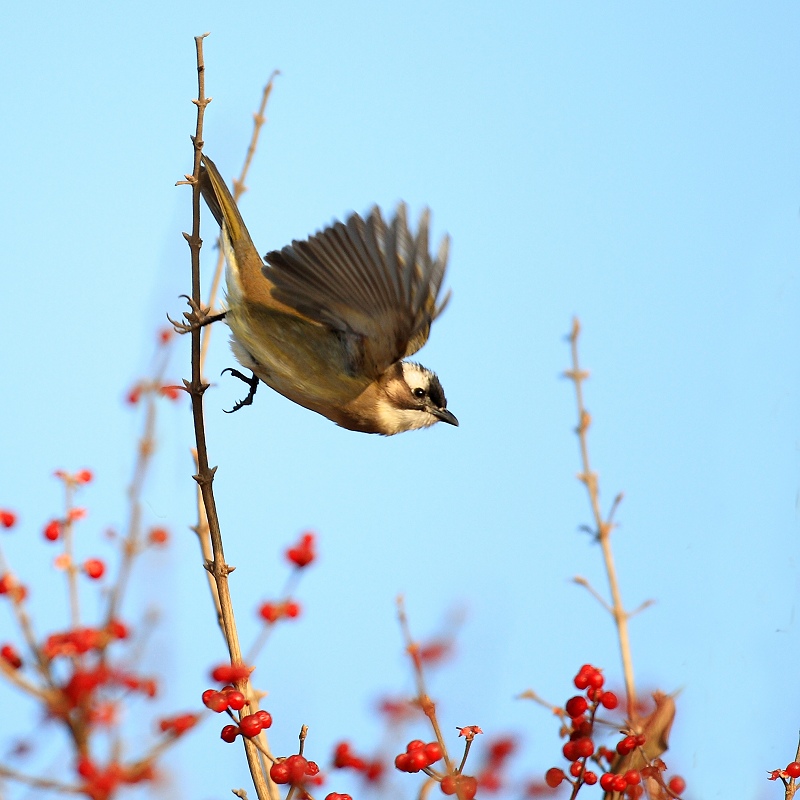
<point>327,321</point>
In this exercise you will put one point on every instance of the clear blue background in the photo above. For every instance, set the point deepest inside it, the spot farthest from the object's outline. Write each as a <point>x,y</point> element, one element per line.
<point>634,164</point>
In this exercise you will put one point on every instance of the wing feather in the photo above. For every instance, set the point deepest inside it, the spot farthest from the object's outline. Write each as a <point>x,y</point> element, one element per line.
<point>367,278</point>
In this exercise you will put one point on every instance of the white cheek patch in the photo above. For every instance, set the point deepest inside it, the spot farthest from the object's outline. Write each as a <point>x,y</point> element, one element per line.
<point>396,420</point>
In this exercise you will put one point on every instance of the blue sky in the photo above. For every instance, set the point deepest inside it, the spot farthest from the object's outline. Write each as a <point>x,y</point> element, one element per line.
<point>634,164</point>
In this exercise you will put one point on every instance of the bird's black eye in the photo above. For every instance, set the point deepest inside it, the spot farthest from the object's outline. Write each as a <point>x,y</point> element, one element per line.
<point>419,392</point>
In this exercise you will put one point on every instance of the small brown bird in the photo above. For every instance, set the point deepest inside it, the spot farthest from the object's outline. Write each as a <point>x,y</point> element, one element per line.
<point>327,320</point>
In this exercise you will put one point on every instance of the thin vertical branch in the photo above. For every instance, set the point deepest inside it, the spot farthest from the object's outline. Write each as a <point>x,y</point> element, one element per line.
<point>603,525</point>
<point>205,474</point>
<point>239,188</point>
<point>131,541</point>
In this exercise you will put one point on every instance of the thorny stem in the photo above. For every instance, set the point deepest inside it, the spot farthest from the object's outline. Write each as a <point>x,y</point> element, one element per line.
<point>239,188</point>
<point>603,526</point>
<point>205,475</point>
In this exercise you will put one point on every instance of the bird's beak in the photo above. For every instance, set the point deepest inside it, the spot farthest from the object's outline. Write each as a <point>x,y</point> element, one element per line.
<point>445,416</point>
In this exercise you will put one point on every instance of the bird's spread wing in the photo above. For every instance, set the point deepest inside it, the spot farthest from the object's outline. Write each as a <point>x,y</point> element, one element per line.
<point>368,278</point>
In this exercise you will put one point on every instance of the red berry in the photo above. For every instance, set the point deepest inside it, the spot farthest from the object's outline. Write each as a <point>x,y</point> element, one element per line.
<point>619,784</point>
<point>417,760</point>
<point>433,752</point>
<point>584,747</point>
<point>632,777</point>
<point>298,767</point>
<point>52,530</point>
<point>581,681</point>
<point>793,769</point>
<point>117,629</point>
<point>229,733</point>
<point>596,679</point>
<point>7,518</point>
<point>401,762</point>
<point>448,784</point>
<point>270,612</point>
<point>10,655</point>
<point>676,784</point>
<point>626,745</point>
<point>609,700</point>
<point>581,727</point>
<point>589,778</point>
<point>606,780</point>
<point>291,609</point>
<point>229,673</point>
<point>158,536</point>
<point>265,718</point>
<point>216,701</point>
<point>576,706</point>
<point>554,777</point>
<point>94,568</point>
<point>640,739</point>
<point>575,768</point>
<point>302,554</point>
<point>468,786</point>
<point>235,699</point>
<point>250,725</point>
<point>279,771</point>
<point>414,744</point>
<point>570,751</point>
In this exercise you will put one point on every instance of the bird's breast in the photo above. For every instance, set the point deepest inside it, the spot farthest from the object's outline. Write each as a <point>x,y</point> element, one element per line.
<point>304,361</point>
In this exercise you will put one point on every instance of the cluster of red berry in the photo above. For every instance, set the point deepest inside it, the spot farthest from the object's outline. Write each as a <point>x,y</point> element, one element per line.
<point>421,756</point>
<point>418,756</point>
<point>295,769</point>
<point>272,612</point>
<point>581,711</point>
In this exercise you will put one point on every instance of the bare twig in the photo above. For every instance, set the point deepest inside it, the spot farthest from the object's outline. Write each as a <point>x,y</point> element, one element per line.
<point>423,698</point>
<point>131,541</point>
<point>603,525</point>
<point>239,188</point>
<point>39,783</point>
<point>205,475</point>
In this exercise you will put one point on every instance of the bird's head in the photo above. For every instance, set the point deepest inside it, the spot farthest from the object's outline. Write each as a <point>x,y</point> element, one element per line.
<point>412,398</point>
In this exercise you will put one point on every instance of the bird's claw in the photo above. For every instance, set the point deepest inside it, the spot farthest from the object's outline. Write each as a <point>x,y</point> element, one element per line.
<point>197,317</point>
<point>252,382</point>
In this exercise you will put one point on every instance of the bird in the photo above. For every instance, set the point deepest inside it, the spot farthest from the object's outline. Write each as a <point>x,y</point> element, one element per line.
<point>330,321</point>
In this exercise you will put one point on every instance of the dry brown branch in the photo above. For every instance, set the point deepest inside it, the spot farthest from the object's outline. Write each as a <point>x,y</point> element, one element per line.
<point>39,783</point>
<point>205,474</point>
<point>603,525</point>
<point>239,188</point>
<point>423,698</point>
